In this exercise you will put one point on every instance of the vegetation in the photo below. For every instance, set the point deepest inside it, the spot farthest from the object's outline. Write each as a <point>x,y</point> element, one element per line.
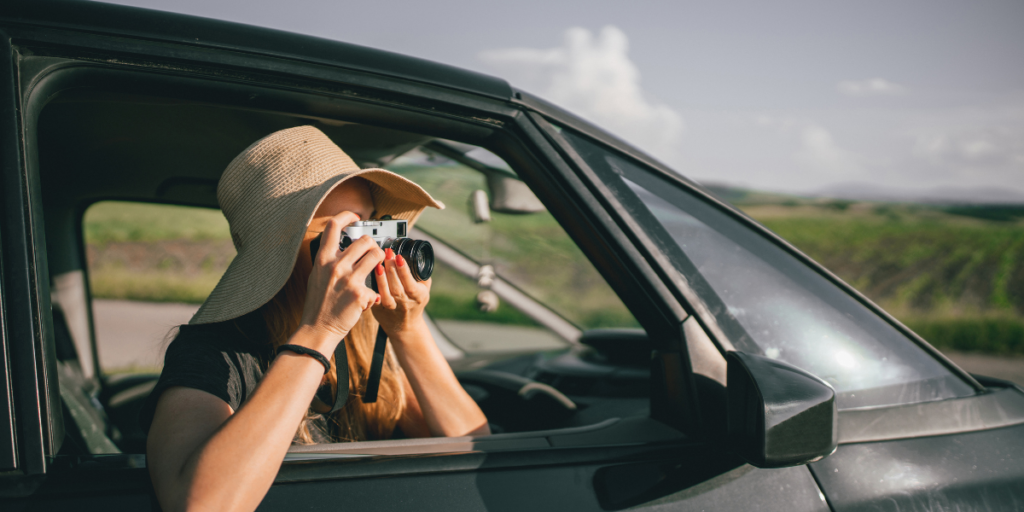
<point>118,222</point>
<point>137,252</point>
<point>953,274</point>
<point>956,280</point>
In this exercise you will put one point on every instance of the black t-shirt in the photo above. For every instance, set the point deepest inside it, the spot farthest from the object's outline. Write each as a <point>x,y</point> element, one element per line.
<point>226,360</point>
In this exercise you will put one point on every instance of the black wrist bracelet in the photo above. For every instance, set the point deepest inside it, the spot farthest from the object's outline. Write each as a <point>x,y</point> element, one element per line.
<point>298,349</point>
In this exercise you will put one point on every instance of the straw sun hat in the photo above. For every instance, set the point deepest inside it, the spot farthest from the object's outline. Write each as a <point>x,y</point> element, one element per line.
<point>269,194</point>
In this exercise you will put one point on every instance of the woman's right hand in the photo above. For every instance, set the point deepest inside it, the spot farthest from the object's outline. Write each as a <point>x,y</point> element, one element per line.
<point>336,294</point>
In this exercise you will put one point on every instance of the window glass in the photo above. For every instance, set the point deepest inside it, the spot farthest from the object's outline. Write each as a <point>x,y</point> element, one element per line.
<point>150,267</point>
<point>523,244</point>
<point>785,308</point>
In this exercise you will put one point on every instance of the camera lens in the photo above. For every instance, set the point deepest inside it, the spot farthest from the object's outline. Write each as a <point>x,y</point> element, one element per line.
<point>417,253</point>
<point>422,260</point>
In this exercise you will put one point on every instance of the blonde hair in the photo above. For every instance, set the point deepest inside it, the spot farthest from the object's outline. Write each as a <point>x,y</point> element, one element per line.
<point>356,421</point>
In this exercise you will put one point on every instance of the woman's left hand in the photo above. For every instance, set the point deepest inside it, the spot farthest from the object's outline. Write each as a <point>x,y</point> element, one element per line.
<point>402,298</point>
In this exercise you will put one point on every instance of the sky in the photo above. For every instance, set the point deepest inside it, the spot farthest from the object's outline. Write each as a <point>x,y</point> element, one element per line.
<point>906,99</point>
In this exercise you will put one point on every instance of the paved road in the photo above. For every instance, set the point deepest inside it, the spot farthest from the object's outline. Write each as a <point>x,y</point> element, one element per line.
<point>135,334</point>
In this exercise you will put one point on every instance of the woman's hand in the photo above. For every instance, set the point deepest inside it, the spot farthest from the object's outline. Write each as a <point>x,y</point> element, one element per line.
<point>402,298</point>
<point>336,294</point>
<point>438,405</point>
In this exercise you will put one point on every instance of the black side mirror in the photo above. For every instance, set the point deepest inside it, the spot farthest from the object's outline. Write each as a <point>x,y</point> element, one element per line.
<point>778,415</point>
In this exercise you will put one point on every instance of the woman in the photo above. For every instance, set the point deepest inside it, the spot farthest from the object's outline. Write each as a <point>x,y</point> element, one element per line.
<point>245,379</point>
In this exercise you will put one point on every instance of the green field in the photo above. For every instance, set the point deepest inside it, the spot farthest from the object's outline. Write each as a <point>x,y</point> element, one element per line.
<point>954,275</point>
<point>116,221</point>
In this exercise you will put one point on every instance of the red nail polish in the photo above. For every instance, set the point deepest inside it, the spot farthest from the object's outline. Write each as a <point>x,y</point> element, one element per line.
<point>380,271</point>
<point>400,260</point>
<point>377,300</point>
<point>389,254</point>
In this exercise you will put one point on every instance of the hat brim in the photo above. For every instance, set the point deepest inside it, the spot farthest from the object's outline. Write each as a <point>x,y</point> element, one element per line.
<point>260,270</point>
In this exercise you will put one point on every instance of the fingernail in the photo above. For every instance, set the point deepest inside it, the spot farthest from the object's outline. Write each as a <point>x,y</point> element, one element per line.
<point>380,272</point>
<point>400,260</point>
<point>377,300</point>
<point>389,254</point>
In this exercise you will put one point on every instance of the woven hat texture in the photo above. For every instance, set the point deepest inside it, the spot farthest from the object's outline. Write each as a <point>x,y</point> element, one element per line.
<point>269,194</point>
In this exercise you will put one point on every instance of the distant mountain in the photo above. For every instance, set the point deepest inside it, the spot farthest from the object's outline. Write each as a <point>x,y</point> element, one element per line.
<point>740,195</point>
<point>939,196</point>
<point>934,195</point>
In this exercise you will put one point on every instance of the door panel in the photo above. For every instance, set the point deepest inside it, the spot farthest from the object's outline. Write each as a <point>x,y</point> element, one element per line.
<point>748,488</point>
<point>955,472</point>
<point>661,477</point>
<point>653,486</point>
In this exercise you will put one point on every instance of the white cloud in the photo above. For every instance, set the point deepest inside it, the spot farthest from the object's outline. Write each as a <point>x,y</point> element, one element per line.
<point>870,87</point>
<point>819,152</point>
<point>816,150</point>
<point>968,148</point>
<point>593,76</point>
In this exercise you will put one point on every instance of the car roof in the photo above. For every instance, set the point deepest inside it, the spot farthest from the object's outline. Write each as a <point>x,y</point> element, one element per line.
<point>96,17</point>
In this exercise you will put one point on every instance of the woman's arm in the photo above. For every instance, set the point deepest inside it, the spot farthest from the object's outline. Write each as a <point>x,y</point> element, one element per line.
<point>204,456</point>
<point>446,407</point>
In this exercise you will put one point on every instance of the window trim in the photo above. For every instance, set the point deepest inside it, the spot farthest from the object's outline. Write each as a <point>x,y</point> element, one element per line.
<point>8,440</point>
<point>10,165</point>
<point>33,372</point>
<point>638,237</point>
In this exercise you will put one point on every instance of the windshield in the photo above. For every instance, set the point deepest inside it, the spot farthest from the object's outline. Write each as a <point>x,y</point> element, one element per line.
<point>519,243</point>
<point>778,305</point>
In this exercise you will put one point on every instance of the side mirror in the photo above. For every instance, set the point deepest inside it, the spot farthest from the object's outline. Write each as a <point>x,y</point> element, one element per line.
<point>778,415</point>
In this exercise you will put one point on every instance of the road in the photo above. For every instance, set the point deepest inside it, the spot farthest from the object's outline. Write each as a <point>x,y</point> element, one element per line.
<point>133,335</point>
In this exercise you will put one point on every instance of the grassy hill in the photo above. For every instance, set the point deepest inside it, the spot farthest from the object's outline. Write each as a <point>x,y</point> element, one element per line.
<point>954,274</point>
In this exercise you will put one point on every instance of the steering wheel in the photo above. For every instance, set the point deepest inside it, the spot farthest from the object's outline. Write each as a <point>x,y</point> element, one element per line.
<point>514,403</point>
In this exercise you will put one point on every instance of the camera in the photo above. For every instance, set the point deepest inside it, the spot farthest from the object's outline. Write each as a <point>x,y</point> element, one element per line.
<point>389,234</point>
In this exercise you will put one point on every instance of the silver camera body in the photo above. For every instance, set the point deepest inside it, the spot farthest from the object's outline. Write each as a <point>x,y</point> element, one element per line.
<point>389,234</point>
<point>379,230</point>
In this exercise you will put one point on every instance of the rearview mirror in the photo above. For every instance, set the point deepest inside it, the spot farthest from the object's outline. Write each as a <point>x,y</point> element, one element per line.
<point>478,207</point>
<point>778,415</point>
<point>509,195</point>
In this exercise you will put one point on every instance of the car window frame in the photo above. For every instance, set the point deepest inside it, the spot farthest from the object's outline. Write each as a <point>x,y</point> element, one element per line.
<point>38,423</point>
<point>10,165</point>
<point>8,448</point>
<point>500,129</point>
<point>674,396</point>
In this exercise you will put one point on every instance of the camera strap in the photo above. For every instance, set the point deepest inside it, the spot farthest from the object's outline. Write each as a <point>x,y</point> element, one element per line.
<point>376,366</point>
<point>341,371</point>
<point>372,381</point>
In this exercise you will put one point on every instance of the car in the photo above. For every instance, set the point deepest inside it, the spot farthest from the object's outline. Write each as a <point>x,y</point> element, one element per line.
<point>634,341</point>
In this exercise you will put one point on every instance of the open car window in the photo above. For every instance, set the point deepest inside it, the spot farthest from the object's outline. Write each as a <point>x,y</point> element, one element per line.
<point>785,309</point>
<point>511,295</point>
<point>150,267</point>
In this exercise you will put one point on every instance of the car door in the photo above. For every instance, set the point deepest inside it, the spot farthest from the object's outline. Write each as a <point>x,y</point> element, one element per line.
<point>667,460</point>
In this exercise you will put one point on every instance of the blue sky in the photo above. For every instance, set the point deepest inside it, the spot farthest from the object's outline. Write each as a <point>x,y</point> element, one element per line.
<point>920,98</point>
